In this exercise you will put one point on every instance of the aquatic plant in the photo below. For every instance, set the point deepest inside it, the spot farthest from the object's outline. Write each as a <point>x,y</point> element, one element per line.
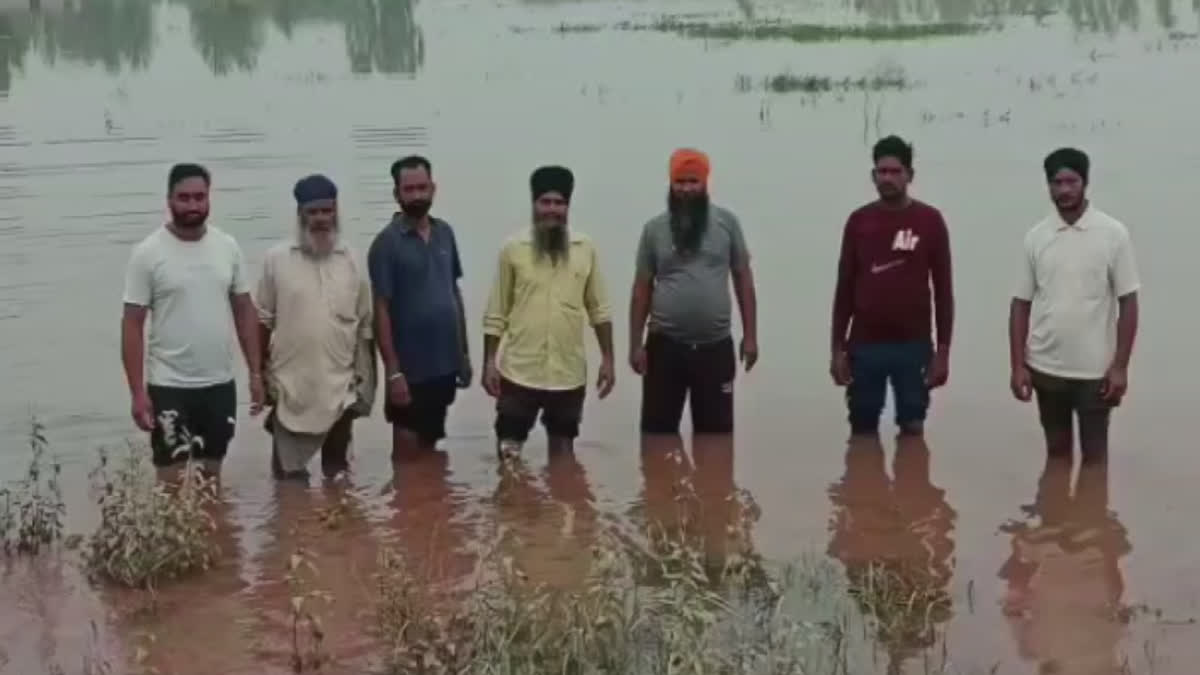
<point>786,83</point>
<point>651,604</point>
<point>150,530</point>
<point>777,29</point>
<point>32,509</point>
<point>301,577</point>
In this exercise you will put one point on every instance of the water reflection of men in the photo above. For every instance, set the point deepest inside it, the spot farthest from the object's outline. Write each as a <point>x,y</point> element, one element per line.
<point>427,517</point>
<point>1064,578</point>
<point>1074,313</point>
<point>420,320</point>
<point>894,538</point>
<point>190,279</point>
<point>548,281</point>
<point>685,259</point>
<point>696,494</point>
<point>549,528</point>
<point>893,250</point>
<point>314,308</point>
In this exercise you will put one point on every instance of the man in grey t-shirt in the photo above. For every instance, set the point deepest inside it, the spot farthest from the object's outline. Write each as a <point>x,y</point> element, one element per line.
<point>685,260</point>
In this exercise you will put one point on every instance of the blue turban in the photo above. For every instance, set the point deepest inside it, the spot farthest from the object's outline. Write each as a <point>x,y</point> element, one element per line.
<point>314,188</point>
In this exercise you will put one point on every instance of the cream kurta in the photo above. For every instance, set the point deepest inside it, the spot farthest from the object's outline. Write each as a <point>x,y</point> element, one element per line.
<point>322,358</point>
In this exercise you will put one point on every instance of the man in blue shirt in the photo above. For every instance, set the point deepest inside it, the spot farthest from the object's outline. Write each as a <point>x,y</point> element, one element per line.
<point>419,319</point>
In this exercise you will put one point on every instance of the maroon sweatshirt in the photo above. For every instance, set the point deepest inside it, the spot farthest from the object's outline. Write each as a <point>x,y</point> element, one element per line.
<point>890,258</point>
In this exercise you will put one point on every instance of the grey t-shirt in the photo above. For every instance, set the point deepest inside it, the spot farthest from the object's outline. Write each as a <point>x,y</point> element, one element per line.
<point>691,301</point>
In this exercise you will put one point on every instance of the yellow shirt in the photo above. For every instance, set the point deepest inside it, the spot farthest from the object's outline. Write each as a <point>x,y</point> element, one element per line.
<point>537,310</point>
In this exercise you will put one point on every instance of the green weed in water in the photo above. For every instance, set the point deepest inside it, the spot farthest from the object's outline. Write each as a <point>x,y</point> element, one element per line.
<point>786,83</point>
<point>150,530</point>
<point>31,509</point>
<point>781,30</point>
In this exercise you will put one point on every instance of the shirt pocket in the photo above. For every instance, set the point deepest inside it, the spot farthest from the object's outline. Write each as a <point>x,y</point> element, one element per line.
<point>343,303</point>
<point>570,285</point>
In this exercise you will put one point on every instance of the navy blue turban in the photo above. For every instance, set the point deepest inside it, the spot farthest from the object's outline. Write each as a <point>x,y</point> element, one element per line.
<point>314,188</point>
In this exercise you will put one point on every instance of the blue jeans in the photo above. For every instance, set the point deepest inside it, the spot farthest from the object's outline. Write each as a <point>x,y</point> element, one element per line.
<point>872,366</point>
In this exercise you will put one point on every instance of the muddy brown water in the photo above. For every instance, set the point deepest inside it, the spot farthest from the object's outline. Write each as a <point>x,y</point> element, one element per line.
<point>97,98</point>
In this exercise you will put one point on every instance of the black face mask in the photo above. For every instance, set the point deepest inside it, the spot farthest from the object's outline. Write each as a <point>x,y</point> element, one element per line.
<point>417,208</point>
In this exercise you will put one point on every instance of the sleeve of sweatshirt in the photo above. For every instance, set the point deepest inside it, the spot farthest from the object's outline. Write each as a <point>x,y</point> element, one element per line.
<point>843,295</point>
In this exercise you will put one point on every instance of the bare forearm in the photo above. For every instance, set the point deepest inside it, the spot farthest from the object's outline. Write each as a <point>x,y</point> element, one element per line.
<point>604,338</point>
<point>264,342</point>
<point>247,331</point>
<point>747,298</point>
<point>1018,332</point>
<point>463,343</point>
<point>639,310</point>
<point>1127,326</point>
<point>133,355</point>
<point>383,338</point>
<point>490,344</point>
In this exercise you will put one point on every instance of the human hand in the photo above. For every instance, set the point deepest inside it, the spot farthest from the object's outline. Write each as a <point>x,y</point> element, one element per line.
<point>143,411</point>
<point>257,394</point>
<point>748,352</point>
<point>1021,383</point>
<point>637,360</point>
<point>1114,385</point>
<point>465,373</point>
<point>398,390</point>
<point>491,380</point>
<point>839,368</point>
<point>606,378</point>
<point>938,372</point>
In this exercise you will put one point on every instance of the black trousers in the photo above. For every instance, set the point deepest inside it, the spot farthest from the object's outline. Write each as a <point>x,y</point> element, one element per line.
<point>676,372</point>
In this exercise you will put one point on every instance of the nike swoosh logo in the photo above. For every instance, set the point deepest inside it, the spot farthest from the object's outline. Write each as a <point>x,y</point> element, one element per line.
<point>876,269</point>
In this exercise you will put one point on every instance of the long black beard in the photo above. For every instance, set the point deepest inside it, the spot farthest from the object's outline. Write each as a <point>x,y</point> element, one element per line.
<point>689,220</point>
<point>550,241</point>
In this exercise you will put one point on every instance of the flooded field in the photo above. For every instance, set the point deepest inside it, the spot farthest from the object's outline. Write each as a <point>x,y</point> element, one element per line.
<point>1040,572</point>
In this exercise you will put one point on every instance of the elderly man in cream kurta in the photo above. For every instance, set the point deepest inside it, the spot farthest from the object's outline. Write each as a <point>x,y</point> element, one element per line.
<point>314,306</point>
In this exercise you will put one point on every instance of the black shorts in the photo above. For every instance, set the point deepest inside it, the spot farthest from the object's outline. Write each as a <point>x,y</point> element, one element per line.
<point>207,415</point>
<point>1059,399</point>
<point>517,410</point>
<point>676,371</point>
<point>425,414</point>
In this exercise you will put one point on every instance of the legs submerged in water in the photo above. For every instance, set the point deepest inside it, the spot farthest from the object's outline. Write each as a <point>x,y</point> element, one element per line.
<point>517,410</point>
<point>872,367</point>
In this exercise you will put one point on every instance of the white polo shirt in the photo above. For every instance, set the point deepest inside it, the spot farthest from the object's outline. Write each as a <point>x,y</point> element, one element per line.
<point>1073,276</point>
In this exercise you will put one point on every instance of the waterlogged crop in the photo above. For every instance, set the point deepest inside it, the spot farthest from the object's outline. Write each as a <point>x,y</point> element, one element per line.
<point>31,509</point>
<point>653,604</point>
<point>150,530</point>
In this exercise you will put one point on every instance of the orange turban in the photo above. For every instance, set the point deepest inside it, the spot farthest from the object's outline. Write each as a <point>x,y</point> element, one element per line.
<point>689,163</point>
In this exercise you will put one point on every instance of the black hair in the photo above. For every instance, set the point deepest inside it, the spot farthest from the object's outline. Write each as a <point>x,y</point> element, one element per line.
<point>182,172</point>
<point>410,162</point>
<point>1067,158</point>
<point>893,146</point>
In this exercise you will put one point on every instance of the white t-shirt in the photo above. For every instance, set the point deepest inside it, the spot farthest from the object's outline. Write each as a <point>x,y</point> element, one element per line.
<point>187,287</point>
<point>1073,276</point>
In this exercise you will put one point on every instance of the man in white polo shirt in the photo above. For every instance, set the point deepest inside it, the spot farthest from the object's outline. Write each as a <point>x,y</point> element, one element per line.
<point>189,279</point>
<point>1074,314</point>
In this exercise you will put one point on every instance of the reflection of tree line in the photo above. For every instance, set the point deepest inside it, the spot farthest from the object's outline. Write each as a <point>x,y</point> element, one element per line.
<point>1085,15</point>
<point>381,36</point>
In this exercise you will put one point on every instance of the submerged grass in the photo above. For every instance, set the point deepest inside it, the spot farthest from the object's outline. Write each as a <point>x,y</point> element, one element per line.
<point>150,530</point>
<point>652,604</point>
<point>787,83</point>
<point>32,509</point>
<point>778,29</point>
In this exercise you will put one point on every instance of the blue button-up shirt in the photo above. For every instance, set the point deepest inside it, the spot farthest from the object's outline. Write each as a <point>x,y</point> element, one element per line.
<point>418,279</point>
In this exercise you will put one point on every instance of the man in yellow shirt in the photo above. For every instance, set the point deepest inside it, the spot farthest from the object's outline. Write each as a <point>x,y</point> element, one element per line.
<point>547,282</point>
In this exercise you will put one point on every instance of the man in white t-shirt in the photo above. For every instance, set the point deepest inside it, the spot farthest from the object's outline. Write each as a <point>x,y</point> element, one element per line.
<point>1074,313</point>
<point>190,279</point>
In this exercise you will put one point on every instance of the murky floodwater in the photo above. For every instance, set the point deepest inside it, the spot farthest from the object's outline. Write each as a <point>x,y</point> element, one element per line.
<point>99,97</point>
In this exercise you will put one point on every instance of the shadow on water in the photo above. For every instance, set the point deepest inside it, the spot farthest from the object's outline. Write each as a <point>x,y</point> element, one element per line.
<point>381,36</point>
<point>1064,597</point>
<point>893,535</point>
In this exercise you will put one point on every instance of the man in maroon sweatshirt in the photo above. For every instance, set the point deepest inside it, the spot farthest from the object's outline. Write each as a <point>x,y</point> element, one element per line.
<point>892,249</point>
